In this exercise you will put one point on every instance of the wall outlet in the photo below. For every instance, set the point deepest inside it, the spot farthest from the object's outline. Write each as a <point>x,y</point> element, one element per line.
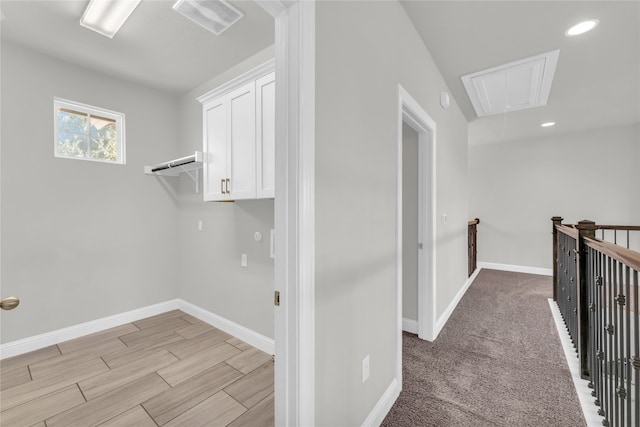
<point>365,368</point>
<point>243,260</point>
<point>199,225</point>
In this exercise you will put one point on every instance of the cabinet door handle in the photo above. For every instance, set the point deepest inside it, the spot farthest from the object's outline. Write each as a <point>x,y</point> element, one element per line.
<point>228,181</point>
<point>9,303</point>
<point>222,186</point>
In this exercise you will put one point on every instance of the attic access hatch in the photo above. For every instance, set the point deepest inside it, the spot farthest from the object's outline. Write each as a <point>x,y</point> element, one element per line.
<point>213,15</point>
<point>514,86</point>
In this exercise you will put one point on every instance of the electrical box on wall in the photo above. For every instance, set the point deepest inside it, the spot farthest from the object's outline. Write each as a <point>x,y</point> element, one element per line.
<point>444,100</point>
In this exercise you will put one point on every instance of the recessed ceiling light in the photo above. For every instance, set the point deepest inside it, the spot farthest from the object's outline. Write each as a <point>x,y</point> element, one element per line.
<point>581,28</point>
<point>548,124</point>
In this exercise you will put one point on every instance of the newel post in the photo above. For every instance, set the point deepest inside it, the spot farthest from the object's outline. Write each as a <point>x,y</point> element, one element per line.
<point>586,228</point>
<point>557,220</point>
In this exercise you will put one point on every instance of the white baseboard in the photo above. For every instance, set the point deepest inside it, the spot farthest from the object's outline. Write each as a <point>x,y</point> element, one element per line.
<point>589,410</point>
<point>36,342</point>
<point>245,334</point>
<point>382,408</point>
<point>454,303</point>
<point>410,326</point>
<point>516,268</point>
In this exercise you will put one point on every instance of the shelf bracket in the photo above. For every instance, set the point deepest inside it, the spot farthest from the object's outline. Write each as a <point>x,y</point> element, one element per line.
<point>195,177</point>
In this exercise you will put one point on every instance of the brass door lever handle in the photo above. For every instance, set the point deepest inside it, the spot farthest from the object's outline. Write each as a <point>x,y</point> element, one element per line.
<point>9,303</point>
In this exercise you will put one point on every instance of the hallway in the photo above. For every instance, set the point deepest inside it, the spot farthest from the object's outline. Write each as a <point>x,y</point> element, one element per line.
<point>497,362</point>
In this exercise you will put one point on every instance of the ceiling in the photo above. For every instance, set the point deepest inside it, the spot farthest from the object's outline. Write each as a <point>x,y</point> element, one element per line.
<point>156,46</point>
<point>596,82</point>
<point>597,79</point>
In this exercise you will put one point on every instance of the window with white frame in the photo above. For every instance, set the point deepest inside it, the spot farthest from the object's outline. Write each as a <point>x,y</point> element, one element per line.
<point>88,133</point>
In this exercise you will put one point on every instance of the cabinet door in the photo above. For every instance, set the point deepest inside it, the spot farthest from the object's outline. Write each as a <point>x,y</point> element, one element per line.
<point>241,154</point>
<point>215,151</point>
<point>265,135</point>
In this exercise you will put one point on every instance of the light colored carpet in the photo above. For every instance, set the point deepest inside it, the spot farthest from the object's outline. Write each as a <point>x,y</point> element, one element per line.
<point>497,362</point>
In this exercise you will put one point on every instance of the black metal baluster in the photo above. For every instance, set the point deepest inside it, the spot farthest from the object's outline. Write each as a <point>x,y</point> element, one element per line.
<point>617,354</point>
<point>609,352</point>
<point>562,299</point>
<point>600,310</point>
<point>575,284</point>
<point>591,295</point>
<point>627,355</point>
<point>627,239</point>
<point>565,289</point>
<point>573,280</point>
<point>603,301</point>
<point>561,296</point>
<point>597,376</point>
<point>556,260</point>
<point>605,355</point>
<point>567,271</point>
<point>636,360</point>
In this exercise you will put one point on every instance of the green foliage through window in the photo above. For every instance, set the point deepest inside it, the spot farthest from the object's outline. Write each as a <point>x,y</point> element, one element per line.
<point>84,132</point>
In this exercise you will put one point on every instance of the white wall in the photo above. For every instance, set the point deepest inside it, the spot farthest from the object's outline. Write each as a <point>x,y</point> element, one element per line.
<point>516,187</point>
<point>81,240</point>
<point>209,261</point>
<point>363,51</point>
<point>409,223</point>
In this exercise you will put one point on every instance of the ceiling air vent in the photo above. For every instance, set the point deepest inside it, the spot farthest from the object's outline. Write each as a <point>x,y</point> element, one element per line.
<point>214,15</point>
<point>515,86</point>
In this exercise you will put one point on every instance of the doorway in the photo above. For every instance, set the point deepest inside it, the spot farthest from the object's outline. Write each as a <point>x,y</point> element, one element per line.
<point>410,238</point>
<point>416,207</point>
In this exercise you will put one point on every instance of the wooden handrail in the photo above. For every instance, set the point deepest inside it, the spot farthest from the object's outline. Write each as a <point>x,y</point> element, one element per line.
<point>619,227</point>
<point>569,231</point>
<point>619,253</point>
<point>474,221</point>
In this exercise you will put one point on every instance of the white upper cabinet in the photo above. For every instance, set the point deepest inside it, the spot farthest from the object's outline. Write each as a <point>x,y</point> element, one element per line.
<point>266,135</point>
<point>214,164</point>
<point>241,143</point>
<point>239,140</point>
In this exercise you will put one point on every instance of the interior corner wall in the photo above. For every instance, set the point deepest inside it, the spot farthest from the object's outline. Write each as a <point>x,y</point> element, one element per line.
<point>363,51</point>
<point>81,240</point>
<point>517,186</point>
<point>209,260</point>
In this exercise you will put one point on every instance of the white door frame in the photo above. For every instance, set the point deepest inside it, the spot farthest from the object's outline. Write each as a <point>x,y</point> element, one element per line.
<point>411,113</point>
<point>294,211</point>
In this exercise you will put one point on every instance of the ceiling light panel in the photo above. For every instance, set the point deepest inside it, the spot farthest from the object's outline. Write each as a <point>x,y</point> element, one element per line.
<point>107,16</point>
<point>514,86</point>
<point>213,15</point>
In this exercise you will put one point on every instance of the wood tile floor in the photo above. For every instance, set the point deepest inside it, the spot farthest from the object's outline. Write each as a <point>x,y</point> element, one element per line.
<point>166,370</point>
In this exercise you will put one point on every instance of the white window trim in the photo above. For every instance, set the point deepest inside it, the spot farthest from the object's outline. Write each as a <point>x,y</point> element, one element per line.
<point>92,110</point>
